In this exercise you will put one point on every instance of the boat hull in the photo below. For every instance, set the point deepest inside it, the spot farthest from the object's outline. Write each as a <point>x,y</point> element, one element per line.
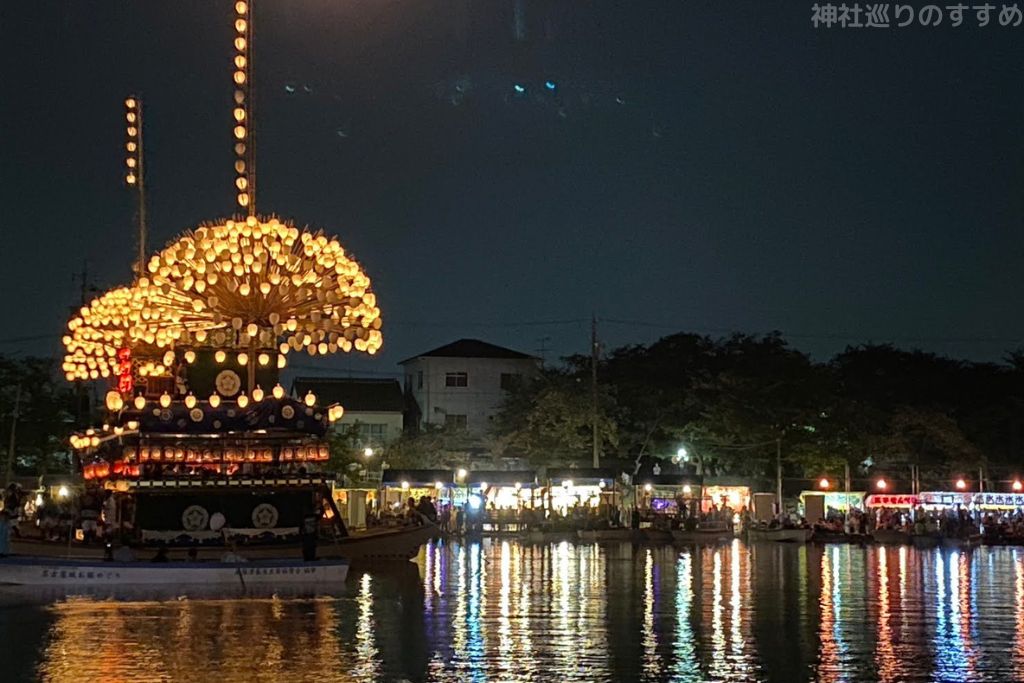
<point>891,537</point>
<point>702,536</point>
<point>622,535</point>
<point>361,548</point>
<point>44,571</point>
<point>961,541</point>
<point>779,535</point>
<point>926,540</point>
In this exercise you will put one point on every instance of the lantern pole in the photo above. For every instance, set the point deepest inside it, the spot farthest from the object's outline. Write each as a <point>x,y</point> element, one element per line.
<point>242,110</point>
<point>135,174</point>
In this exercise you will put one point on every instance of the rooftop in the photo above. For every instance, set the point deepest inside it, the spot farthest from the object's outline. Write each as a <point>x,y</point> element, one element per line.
<point>470,348</point>
<point>355,394</point>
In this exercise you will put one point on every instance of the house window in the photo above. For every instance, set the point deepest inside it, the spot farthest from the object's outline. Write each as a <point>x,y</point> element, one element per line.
<point>509,380</point>
<point>372,433</point>
<point>419,379</point>
<point>455,421</point>
<point>456,379</point>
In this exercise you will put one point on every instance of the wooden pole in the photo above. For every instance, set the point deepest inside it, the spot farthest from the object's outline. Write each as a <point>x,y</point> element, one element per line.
<point>9,470</point>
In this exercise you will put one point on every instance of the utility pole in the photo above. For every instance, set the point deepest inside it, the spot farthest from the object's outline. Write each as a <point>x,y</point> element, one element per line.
<point>9,470</point>
<point>593,391</point>
<point>778,472</point>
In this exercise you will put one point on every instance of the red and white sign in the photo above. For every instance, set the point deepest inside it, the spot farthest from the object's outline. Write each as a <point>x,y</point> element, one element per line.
<point>891,500</point>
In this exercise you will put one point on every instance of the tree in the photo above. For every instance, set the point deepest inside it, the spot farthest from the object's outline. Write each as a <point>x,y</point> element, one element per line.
<point>44,421</point>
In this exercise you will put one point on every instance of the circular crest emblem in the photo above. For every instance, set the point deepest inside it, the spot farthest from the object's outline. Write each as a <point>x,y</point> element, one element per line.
<point>195,518</point>
<point>287,412</point>
<point>264,516</point>
<point>228,383</point>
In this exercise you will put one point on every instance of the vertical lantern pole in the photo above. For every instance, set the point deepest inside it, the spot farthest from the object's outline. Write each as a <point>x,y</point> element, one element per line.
<point>135,171</point>
<point>245,149</point>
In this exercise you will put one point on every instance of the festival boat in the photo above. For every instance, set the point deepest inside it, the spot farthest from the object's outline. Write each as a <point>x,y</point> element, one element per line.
<point>779,534</point>
<point>78,573</point>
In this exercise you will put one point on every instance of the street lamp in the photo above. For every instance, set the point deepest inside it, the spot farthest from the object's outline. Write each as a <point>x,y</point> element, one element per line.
<point>461,474</point>
<point>881,484</point>
<point>823,484</point>
<point>1017,486</point>
<point>961,484</point>
<point>368,452</point>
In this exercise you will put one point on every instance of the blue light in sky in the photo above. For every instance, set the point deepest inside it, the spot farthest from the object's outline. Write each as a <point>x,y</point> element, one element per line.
<point>519,89</point>
<point>550,85</point>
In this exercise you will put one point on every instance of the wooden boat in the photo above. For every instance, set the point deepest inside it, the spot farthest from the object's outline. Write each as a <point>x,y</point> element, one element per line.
<point>891,536</point>
<point>779,535</point>
<point>820,536</point>
<point>71,572</point>
<point>624,535</point>
<point>704,533</point>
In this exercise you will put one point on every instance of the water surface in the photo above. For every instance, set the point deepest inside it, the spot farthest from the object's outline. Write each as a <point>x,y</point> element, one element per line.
<point>501,611</point>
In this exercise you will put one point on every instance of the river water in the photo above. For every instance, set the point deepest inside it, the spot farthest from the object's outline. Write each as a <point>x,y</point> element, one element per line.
<point>501,611</point>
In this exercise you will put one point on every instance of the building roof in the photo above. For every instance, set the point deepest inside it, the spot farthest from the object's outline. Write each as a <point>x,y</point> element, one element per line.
<point>355,394</point>
<point>470,348</point>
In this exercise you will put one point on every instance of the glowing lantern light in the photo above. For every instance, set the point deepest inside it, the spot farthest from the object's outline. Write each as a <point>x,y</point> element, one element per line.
<point>214,400</point>
<point>264,359</point>
<point>243,400</point>
<point>190,401</point>
<point>257,394</point>
<point>165,400</point>
<point>190,356</point>
<point>278,392</point>
<point>219,356</point>
<point>114,401</point>
<point>310,399</point>
<point>281,362</point>
<point>139,402</point>
<point>243,358</point>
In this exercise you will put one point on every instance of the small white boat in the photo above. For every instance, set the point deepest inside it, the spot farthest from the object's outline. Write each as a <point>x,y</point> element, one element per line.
<point>780,535</point>
<point>45,571</point>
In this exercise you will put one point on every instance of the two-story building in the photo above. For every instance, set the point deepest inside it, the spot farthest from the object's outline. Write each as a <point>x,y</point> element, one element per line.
<point>463,384</point>
<point>375,405</point>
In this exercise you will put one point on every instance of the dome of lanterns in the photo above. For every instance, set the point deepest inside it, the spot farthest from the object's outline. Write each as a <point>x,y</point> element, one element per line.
<point>238,284</point>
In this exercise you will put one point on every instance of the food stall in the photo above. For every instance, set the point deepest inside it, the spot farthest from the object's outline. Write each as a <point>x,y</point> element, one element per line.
<point>586,487</point>
<point>397,486</point>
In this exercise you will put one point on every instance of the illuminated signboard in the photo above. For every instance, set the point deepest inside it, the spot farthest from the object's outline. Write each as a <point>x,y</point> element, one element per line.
<point>896,500</point>
<point>945,498</point>
<point>999,500</point>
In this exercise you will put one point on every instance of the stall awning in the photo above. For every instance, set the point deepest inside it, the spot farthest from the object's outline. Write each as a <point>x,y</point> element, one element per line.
<point>525,478</point>
<point>417,477</point>
<point>582,475</point>
<point>671,480</point>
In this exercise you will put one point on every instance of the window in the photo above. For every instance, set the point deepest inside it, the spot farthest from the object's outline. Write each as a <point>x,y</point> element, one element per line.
<point>456,379</point>
<point>372,433</point>
<point>509,380</point>
<point>455,421</point>
<point>419,379</point>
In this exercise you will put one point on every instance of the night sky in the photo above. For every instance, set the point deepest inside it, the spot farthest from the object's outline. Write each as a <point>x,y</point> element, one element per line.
<point>703,166</point>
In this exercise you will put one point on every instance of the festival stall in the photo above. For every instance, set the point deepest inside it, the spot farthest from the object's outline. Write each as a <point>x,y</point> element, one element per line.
<point>398,486</point>
<point>584,487</point>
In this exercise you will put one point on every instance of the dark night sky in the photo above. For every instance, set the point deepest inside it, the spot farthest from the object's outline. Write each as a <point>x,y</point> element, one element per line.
<point>707,166</point>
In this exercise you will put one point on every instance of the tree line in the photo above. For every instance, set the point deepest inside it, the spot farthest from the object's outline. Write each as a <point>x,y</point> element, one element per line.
<point>728,401</point>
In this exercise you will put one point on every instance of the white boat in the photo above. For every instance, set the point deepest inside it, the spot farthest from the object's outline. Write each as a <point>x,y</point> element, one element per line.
<point>779,534</point>
<point>75,572</point>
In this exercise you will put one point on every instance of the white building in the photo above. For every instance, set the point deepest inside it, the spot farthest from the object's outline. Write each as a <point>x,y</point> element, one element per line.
<point>463,384</point>
<point>375,405</point>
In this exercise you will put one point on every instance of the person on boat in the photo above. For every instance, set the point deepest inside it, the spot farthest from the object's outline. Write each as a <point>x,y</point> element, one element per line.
<point>309,531</point>
<point>427,509</point>
<point>411,513</point>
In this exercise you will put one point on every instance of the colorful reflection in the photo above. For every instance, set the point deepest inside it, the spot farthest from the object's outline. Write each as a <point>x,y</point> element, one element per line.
<point>502,611</point>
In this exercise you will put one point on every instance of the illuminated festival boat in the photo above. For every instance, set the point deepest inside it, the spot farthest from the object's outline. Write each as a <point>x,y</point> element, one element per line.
<point>201,447</point>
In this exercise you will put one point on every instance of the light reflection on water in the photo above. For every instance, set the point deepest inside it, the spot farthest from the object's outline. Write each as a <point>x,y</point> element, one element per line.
<point>502,611</point>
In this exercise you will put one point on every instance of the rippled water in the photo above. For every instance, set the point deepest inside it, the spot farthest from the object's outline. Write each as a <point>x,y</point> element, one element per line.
<point>500,611</point>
